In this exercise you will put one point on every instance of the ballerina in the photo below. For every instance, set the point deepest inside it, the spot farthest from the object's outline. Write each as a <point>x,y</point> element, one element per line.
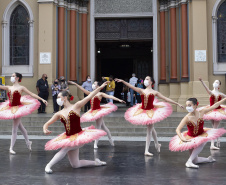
<point>74,137</point>
<point>217,114</point>
<point>18,106</point>
<point>196,137</point>
<point>97,112</point>
<point>150,111</point>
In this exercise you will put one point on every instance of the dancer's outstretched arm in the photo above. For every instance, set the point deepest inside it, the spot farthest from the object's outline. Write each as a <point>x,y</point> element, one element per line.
<point>137,89</point>
<point>24,89</point>
<point>207,89</point>
<point>82,102</point>
<point>6,88</point>
<point>179,128</point>
<point>51,121</point>
<point>112,97</point>
<point>168,100</point>
<point>80,87</point>
<point>214,106</point>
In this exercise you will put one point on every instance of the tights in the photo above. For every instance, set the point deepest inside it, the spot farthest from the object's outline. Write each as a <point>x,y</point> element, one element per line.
<point>73,156</point>
<point>194,155</point>
<point>151,133</point>
<point>101,125</point>
<point>215,125</point>
<point>17,124</point>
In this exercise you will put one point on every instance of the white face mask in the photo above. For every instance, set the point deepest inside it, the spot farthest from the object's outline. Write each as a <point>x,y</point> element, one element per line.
<point>89,80</point>
<point>94,87</point>
<point>12,79</point>
<point>215,85</point>
<point>146,83</point>
<point>60,102</point>
<point>190,109</point>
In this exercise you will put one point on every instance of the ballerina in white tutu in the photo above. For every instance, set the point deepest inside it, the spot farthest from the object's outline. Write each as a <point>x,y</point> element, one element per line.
<point>97,111</point>
<point>150,111</point>
<point>217,114</point>
<point>74,137</point>
<point>18,106</point>
<point>196,137</point>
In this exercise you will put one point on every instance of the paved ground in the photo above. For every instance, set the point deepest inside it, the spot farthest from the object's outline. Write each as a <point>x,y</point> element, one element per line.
<point>126,164</point>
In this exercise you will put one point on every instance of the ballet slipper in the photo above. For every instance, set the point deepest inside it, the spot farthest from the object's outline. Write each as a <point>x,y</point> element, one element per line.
<point>218,144</point>
<point>212,147</point>
<point>158,146</point>
<point>111,142</point>
<point>48,169</point>
<point>29,143</point>
<point>148,154</point>
<point>99,163</point>
<point>12,152</point>
<point>189,164</point>
<point>211,159</point>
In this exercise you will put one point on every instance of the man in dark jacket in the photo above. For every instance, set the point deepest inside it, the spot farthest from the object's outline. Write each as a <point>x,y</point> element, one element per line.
<point>43,91</point>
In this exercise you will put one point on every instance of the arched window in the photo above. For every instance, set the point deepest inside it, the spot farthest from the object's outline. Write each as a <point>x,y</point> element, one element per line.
<point>19,36</point>
<point>221,33</point>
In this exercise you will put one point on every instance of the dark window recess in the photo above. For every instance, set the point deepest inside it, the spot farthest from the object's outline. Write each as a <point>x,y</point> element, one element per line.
<point>19,37</point>
<point>221,33</point>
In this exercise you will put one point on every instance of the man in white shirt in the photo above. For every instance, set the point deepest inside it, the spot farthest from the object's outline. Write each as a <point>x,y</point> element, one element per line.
<point>132,81</point>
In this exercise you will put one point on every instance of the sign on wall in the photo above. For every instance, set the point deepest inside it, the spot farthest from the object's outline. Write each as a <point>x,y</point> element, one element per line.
<point>200,55</point>
<point>45,58</point>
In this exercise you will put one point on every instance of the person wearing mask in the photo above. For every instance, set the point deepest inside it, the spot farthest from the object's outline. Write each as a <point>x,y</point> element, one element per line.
<point>55,91</point>
<point>110,89</point>
<point>132,81</point>
<point>87,85</point>
<point>43,92</point>
<point>63,86</point>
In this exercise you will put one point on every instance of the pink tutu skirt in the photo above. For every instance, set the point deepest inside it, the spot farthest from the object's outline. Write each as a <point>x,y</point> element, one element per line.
<point>216,114</point>
<point>28,105</point>
<point>209,134</point>
<point>87,135</point>
<point>138,116</point>
<point>93,115</point>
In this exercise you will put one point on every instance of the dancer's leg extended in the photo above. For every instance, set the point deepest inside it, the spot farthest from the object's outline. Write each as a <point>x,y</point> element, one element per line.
<point>15,126</point>
<point>215,125</point>
<point>148,140</point>
<point>155,138</point>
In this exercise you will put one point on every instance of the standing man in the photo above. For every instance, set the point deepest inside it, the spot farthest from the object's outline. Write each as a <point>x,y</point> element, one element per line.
<point>87,85</point>
<point>110,88</point>
<point>43,92</point>
<point>133,82</point>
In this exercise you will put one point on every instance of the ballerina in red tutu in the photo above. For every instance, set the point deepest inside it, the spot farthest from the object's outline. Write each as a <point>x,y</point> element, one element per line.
<point>196,137</point>
<point>217,114</point>
<point>18,106</point>
<point>74,137</point>
<point>97,112</point>
<point>150,111</point>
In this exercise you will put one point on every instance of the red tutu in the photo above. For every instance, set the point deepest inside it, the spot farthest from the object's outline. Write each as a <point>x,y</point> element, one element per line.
<point>138,116</point>
<point>209,134</point>
<point>87,135</point>
<point>93,115</point>
<point>216,114</point>
<point>28,105</point>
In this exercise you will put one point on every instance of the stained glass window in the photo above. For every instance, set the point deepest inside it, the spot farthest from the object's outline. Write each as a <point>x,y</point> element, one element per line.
<point>221,33</point>
<point>19,36</point>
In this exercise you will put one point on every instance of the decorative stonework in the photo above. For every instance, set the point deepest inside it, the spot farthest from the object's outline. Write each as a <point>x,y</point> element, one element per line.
<point>122,6</point>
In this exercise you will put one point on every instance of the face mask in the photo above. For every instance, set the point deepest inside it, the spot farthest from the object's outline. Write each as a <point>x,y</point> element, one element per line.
<point>190,109</point>
<point>60,102</point>
<point>55,82</point>
<point>46,77</point>
<point>215,85</point>
<point>93,86</point>
<point>89,80</point>
<point>146,83</point>
<point>12,79</point>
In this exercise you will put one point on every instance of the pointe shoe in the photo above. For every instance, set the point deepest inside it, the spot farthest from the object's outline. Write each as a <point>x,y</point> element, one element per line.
<point>99,163</point>
<point>29,143</point>
<point>95,147</point>
<point>158,146</point>
<point>148,154</point>
<point>218,144</point>
<point>48,169</point>
<point>111,142</point>
<point>191,165</point>
<point>214,148</point>
<point>211,159</point>
<point>12,152</point>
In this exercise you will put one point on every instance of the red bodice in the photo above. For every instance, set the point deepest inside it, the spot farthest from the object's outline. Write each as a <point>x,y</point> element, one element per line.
<point>95,103</point>
<point>147,101</point>
<point>214,100</point>
<point>72,123</point>
<point>195,130</point>
<point>14,99</point>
